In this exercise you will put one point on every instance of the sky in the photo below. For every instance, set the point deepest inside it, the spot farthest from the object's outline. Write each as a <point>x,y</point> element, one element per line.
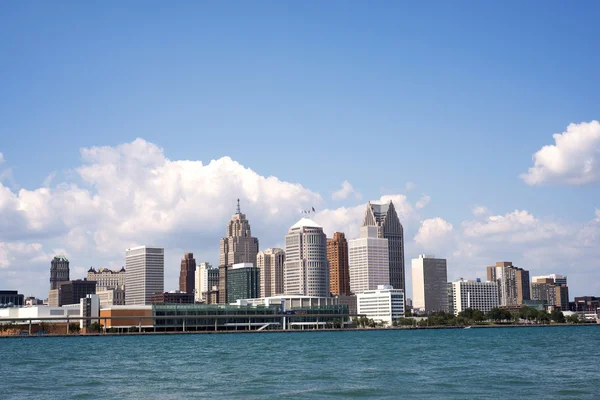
<point>135,123</point>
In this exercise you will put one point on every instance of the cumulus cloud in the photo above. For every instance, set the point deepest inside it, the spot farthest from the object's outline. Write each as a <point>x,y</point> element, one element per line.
<point>422,202</point>
<point>345,192</point>
<point>574,159</point>
<point>432,231</point>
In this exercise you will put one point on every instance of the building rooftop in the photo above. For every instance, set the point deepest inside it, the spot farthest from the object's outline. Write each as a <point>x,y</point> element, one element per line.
<point>306,223</point>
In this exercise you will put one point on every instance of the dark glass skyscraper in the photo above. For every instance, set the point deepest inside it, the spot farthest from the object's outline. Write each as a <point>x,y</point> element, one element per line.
<point>59,271</point>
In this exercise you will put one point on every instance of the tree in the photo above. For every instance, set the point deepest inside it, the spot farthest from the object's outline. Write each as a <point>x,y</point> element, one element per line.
<point>74,327</point>
<point>96,327</point>
<point>495,314</point>
<point>573,319</point>
<point>557,316</point>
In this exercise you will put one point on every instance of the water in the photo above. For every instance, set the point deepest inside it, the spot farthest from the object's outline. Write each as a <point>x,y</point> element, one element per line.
<point>507,363</point>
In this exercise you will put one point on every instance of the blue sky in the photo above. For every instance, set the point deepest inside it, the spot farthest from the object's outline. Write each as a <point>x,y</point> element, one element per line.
<point>453,96</point>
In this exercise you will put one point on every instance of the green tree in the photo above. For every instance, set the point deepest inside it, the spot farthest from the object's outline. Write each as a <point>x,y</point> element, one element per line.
<point>573,319</point>
<point>74,327</point>
<point>96,327</point>
<point>557,316</point>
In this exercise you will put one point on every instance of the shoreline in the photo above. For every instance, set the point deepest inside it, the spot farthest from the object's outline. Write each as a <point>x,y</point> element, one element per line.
<point>293,331</point>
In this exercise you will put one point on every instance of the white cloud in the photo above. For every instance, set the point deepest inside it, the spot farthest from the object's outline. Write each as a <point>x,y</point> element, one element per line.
<point>345,192</point>
<point>1,158</point>
<point>409,186</point>
<point>480,210</point>
<point>433,231</point>
<point>574,159</point>
<point>422,202</point>
<point>48,180</point>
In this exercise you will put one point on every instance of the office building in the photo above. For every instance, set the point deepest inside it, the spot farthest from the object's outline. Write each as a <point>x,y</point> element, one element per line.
<point>545,288</point>
<point>385,218</point>
<point>339,270</point>
<point>384,304</point>
<point>430,284</point>
<point>368,261</point>
<point>306,270</point>
<point>172,297</point>
<point>71,292</point>
<point>187,279</point>
<point>242,282</point>
<point>238,246</point>
<point>585,303</point>
<point>513,283</point>
<point>106,278</point>
<point>477,295</point>
<point>558,279</point>
<point>11,298</point>
<point>59,271</point>
<point>270,265</point>
<point>206,277</point>
<point>111,296</point>
<point>145,276</point>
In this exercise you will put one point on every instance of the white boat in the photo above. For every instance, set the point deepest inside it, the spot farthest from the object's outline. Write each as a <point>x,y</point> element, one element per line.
<point>467,327</point>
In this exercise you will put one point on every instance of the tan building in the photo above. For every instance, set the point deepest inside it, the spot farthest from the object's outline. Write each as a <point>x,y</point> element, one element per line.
<point>513,283</point>
<point>547,289</point>
<point>112,297</point>
<point>126,316</point>
<point>187,274</point>
<point>106,278</point>
<point>270,264</point>
<point>339,273</point>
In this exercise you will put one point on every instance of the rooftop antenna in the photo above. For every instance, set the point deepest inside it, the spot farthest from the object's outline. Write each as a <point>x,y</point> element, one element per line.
<point>238,207</point>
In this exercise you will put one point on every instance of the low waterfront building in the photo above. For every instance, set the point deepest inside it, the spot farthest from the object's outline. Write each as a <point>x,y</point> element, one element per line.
<point>384,304</point>
<point>10,298</point>
<point>134,317</point>
<point>172,297</point>
<point>477,295</point>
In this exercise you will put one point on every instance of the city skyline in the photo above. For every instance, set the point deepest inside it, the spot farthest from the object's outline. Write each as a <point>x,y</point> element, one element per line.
<point>485,138</point>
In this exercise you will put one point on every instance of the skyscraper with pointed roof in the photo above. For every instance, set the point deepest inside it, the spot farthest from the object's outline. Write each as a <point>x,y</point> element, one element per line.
<point>385,218</point>
<point>306,269</point>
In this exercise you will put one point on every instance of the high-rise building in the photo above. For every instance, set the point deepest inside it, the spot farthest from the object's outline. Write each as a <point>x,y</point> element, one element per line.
<point>186,275</point>
<point>270,264</point>
<point>71,292</point>
<point>206,277</point>
<point>242,282</point>
<point>430,284</point>
<point>306,270</point>
<point>513,283</point>
<point>107,279</point>
<point>238,245</point>
<point>145,266</point>
<point>477,295</point>
<point>368,261</point>
<point>545,288</point>
<point>558,279</point>
<point>385,218</point>
<point>339,270</point>
<point>382,304</point>
<point>59,271</point>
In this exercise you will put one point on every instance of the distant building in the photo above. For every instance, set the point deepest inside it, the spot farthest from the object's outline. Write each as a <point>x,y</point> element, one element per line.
<point>11,298</point>
<point>339,270</point>
<point>242,282</point>
<point>368,261</point>
<point>187,273</point>
<point>306,269</point>
<point>430,284</point>
<point>71,292</point>
<point>173,297</point>
<point>513,283</point>
<point>270,264</point>
<point>112,296</point>
<point>477,295</point>
<point>59,271</point>
<point>385,218</point>
<point>106,278</point>
<point>384,304</point>
<point>558,279</point>
<point>238,246</point>
<point>545,288</point>
<point>145,276</point>
<point>206,277</point>
<point>585,303</point>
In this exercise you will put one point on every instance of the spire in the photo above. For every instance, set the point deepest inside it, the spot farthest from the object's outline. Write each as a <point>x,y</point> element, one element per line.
<point>238,207</point>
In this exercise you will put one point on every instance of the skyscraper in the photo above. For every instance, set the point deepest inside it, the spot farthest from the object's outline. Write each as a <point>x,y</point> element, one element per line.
<point>513,283</point>
<point>59,271</point>
<point>306,270</point>
<point>339,273</point>
<point>238,245</point>
<point>145,274</point>
<point>552,290</point>
<point>430,284</point>
<point>206,276</point>
<point>369,261</point>
<point>270,264</point>
<point>385,218</point>
<point>186,275</point>
<point>242,282</point>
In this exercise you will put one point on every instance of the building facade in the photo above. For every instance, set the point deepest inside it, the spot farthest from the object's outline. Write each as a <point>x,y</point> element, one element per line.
<point>238,245</point>
<point>71,292</point>
<point>513,283</point>
<point>477,295</point>
<point>339,270</point>
<point>106,278</point>
<point>384,304</point>
<point>111,296</point>
<point>368,261</point>
<point>59,271</point>
<point>206,277</point>
<point>242,282</point>
<point>145,266</point>
<point>187,274</point>
<point>306,270</point>
<point>545,288</point>
<point>385,218</point>
<point>430,284</point>
<point>172,297</point>
<point>270,263</point>
<point>11,298</point>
